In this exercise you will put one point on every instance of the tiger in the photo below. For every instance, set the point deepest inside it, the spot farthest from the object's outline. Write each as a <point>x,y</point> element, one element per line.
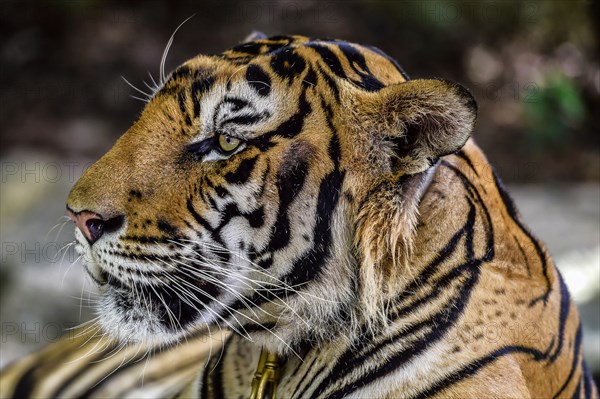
<point>333,220</point>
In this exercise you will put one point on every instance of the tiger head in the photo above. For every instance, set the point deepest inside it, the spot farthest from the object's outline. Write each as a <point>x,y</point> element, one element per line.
<point>271,190</point>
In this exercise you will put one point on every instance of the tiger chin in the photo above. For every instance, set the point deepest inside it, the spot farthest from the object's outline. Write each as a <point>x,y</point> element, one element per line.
<point>309,197</point>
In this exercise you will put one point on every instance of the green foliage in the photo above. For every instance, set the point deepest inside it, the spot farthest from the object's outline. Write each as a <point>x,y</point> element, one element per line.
<point>553,113</point>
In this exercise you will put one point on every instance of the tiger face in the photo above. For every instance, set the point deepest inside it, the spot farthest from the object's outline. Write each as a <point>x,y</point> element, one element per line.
<point>253,192</point>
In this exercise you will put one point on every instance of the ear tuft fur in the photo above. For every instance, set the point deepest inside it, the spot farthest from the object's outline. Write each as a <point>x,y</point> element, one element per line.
<point>384,234</point>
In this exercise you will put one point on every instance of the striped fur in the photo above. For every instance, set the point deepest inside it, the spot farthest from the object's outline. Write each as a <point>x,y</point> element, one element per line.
<point>356,231</point>
<point>88,364</point>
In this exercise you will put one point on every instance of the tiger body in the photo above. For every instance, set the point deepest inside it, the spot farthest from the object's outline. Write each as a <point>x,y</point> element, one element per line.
<point>311,199</point>
<point>481,317</point>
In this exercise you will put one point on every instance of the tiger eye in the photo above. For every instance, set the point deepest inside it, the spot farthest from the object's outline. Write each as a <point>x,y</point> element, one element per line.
<point>228,143</point>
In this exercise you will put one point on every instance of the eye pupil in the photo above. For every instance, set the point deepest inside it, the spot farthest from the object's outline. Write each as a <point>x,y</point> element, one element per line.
<point>227,143</point>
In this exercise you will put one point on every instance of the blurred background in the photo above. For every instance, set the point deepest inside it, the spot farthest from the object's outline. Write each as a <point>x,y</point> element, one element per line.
<point>533,67</point>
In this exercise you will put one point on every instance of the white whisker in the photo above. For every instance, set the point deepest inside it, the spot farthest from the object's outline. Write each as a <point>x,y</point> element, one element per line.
<point>163,60</point>
<point>147,95</point>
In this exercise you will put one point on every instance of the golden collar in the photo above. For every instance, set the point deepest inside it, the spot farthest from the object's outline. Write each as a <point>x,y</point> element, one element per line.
<point>266,377</point>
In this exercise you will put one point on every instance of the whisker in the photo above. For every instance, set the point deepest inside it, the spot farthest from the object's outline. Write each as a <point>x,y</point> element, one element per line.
<point>155,85</point>
<point>282,303</point>
<point>229,309</point>
<point>258,269</point>
<point>163,60</point>
<point>198,273</point>
<point>145,100</point>
<point>62,283</point>
<point>57,225</point>
<point>244,300</point>
<point>191,296</point>
<point>147,95</point>
<point>220,354</point>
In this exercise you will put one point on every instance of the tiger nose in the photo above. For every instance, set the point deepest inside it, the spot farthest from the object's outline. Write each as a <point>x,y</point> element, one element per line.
<point>93,225</point>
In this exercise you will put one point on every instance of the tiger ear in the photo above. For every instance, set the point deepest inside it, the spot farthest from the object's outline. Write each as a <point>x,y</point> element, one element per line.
<point>254,35</point>
<point>418,121</point>
<point>409,126</point>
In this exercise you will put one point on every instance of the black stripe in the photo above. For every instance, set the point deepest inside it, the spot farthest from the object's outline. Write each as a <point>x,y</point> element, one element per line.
<point>181,102</point>
<point>230,211</point>
<point>217,373</point>
<point>331,84</point>
<point>126,390</point>
<point>200,87</point>
<point>308,266</point>
<point>204,223</point>
<point>438,326</point>
<point>181,72</point>
<point>473,367</point>
<point>199,219</point>
<point>465,157</point>
<point>293,126</point>
<point>290,181</point>
<point>97,384</point>
<point>512,211</point>
<point>524,255</point>
<point>308,371</point>
<point>26,384</point>
<point>282,38</point>
<point>167,228</point>
<point>243,171</point>
<point>246,120</point>
<point>238,103</point>
<point>287,129</point>
<point>252,48</point>
<point>391,60</point>
<point>537,354</point>
<point>221,191</point>
<point>575,364</point>
<point>368,81</point>
<point>438,286</point>
<point>565,302</point>
<point>205,382</point>
<point>258,79</point>
<point>429,271</point>
<point>587,382</point>
<point>256,218</point>
<point>288,64</point>
<point>423,279</point>
<point>203,393</point>
<point>334,149</point>
<point>471,267</point>
<point>310,80</point>
<point>477,197</point>
<point>433,328</point>
<point>330,59</point>
<point>91,361</point>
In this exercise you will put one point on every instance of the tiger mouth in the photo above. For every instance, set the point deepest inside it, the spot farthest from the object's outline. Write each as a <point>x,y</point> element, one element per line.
<point>166,302</point>
<point>170,309</point>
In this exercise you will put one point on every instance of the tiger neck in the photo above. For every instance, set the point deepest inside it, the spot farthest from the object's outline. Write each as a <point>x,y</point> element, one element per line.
<point>292,339</point>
